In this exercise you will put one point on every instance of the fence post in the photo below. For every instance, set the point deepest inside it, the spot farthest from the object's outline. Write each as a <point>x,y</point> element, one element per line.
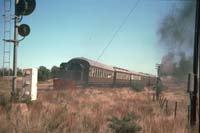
<point>166,107</point>
<point>163,102</point>
<point>153,96</point>
<point>175,109</point>
<point>188,113</point>
<point>160,98</point>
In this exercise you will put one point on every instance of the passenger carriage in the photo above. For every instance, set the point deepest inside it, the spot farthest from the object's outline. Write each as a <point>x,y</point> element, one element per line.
<point>88,72</point>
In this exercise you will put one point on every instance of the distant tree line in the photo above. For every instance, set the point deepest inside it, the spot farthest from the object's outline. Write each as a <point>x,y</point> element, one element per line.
<point>43,72</point>
<point>179,70</point>
<point>9,72</point>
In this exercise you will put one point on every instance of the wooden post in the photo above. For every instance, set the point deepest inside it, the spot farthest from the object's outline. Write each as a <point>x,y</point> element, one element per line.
<point>175,109</point>
<point>163,102</point>
<point>166,107</point>
<point>188,113</point>
<point>193,101</point>
<point>153,96</point>
<point>159,99</point>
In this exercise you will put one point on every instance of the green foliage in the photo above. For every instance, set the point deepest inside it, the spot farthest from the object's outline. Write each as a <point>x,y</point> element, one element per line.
<point>53,125</point>
<point>10,72</point>
<point>6,72</point>
<point>27,100</point>
<point>19,72</point>
<point>137,86</point>
<point>15,96</point>
<point>160,86</point>
<point>43,73</point>
<point>5,102</point>
<point>54,71</point>
<point>178,70</point>
<point>87,123</point>
<point>184,67</point>
<point>56,121</point>
<point>126,124</point>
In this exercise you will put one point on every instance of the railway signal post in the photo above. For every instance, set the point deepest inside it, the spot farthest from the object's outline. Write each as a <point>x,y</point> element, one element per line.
<point>22,8</point>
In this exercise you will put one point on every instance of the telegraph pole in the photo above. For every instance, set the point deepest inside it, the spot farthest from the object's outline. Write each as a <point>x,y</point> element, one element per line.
<point>194,105</point>
<point>157,80</point>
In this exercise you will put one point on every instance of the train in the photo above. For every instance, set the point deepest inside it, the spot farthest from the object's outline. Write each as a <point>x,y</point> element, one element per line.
<point>85,71</point>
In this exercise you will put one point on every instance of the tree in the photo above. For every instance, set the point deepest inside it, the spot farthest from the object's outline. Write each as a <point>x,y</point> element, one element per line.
<point>19,72</point>
<point>43,73</point>
<point>54,71</point>
<point>176,36</point>
<point>7,72</point>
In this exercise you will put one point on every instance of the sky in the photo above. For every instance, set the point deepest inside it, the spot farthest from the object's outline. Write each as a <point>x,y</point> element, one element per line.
<point>64,29</point>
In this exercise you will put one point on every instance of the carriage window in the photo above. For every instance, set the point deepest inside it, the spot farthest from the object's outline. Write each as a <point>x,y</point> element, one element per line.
<point>94,73</point>
<point>100,73</point>
<point>90,72</point>
<point>97,72</point>
<point>109,76</point>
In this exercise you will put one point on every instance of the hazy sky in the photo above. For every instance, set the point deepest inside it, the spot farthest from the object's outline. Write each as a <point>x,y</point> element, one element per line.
<point>64,29</point>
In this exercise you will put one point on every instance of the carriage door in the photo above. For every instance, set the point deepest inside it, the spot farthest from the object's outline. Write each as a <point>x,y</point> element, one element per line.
<point>82,73</point>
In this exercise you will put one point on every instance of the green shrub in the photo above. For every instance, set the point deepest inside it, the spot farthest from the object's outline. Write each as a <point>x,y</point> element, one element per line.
<point>138,86</point>
<point>27,100</point>
<point>5,102</point>
<point>126,124</point>
<point>43,73</point>
<point>160,87</point>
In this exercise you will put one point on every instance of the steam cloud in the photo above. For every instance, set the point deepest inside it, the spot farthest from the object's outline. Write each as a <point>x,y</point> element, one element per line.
<point>176,32</point>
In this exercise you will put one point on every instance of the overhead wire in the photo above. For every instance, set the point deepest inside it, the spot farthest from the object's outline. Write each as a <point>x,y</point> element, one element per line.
<point>118,29</point>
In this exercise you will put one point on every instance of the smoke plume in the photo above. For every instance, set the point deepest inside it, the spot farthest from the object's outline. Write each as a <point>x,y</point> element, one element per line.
<point>176,32</point>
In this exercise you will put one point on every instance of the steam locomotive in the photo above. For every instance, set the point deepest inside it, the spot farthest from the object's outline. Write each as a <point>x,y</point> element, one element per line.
<point>88,72</point>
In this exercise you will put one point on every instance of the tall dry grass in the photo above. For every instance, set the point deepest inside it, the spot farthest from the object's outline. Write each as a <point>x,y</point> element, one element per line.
<point>5,86</point>
<point>88,110</point>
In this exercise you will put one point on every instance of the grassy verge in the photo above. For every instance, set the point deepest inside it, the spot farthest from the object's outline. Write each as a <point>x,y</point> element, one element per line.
<point>92,110</point>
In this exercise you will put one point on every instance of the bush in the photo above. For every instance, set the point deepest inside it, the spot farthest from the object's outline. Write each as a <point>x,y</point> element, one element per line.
<point>126,124</point>
<point>160,87</point>
<point>43,73</point>
<point>137,86</point>
<point>27,100</point>
<point>54,71</point>
<point>5,103</point>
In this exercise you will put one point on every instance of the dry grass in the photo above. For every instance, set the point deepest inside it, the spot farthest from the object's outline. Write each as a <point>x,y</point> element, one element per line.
<point>87,111</point>
<point>5,86</point>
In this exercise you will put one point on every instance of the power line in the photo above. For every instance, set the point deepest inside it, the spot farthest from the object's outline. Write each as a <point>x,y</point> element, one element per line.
<point>119,28</point>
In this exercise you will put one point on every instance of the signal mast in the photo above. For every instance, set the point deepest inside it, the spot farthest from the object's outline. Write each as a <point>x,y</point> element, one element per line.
<point>22,8</point>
